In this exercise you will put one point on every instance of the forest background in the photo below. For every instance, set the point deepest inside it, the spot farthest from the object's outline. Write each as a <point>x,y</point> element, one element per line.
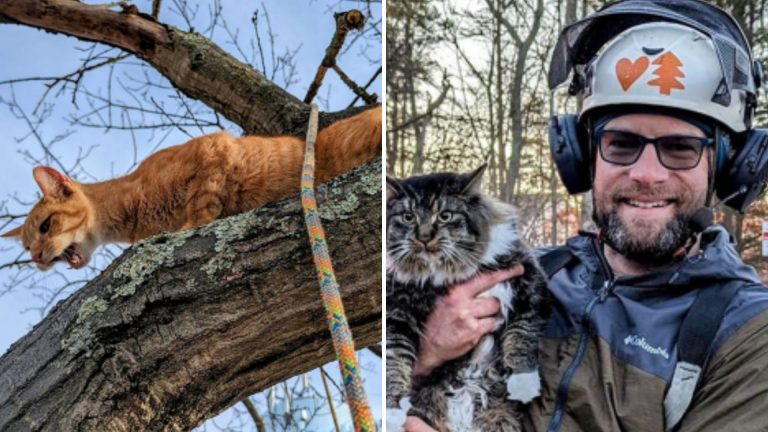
<point>466,84</point>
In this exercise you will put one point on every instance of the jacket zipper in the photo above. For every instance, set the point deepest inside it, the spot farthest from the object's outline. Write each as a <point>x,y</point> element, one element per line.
<point>562,388</point>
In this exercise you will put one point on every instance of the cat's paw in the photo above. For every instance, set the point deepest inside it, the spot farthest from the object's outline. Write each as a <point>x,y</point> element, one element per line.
<point>524,387</point>
<point>396,416</point>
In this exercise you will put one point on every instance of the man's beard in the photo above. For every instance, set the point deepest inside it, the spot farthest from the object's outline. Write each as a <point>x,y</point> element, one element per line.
<point>654,252</point>
<point>645,243</point>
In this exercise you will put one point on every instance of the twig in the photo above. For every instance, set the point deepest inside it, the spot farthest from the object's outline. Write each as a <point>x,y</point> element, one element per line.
<point>254,415</point>
<point>369,99</point>
<point>345,21</point>
<point>18,263</point>
<point>368,84</point>
<point>255,21</point>
<point>156,8</point>
<point>330,400</point>
<point>328,377</point>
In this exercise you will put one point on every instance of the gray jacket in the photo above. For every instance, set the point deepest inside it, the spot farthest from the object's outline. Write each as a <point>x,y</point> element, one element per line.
<point>609,351</point>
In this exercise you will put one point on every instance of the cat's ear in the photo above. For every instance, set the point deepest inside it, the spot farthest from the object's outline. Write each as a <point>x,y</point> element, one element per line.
<point>16,232</point>
<point>52,183</point>
<point>394,188</point>
<point>474,180</point>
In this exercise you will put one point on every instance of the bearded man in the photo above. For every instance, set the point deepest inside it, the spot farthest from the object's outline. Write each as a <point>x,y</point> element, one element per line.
<point>656,322</point>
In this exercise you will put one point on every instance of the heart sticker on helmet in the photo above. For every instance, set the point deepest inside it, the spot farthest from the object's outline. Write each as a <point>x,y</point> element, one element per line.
<point>628,71</point>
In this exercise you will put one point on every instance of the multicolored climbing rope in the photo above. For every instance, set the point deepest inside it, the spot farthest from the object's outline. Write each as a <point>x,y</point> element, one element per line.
<point>334,309</point>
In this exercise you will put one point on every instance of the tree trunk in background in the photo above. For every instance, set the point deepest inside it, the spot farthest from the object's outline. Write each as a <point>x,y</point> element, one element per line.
<point>410,90</point>
<point>554,179</point>
<point>499,94</point>
<point>523,46</point>
<point>392,137</point>
<point>587,223</point>
<point>732,221</point>
<point>183,325</point>
<point>571,6</point>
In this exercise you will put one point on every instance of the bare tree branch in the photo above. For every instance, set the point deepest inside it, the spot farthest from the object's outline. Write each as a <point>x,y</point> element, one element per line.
<point>345,21</point>
<point>193,64</point>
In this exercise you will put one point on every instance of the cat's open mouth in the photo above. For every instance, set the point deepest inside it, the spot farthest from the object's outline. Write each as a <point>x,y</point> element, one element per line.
<point>70,255</point>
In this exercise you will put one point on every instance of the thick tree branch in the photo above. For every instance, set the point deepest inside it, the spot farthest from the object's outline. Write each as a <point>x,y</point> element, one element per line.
<point>185,324</point>
<point>191,62</point>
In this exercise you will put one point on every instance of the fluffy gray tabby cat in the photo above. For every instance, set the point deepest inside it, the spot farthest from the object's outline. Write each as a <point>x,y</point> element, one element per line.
<point>441,231</point>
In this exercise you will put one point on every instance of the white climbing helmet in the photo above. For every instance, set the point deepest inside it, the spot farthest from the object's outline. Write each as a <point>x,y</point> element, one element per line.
<point>664,64</point>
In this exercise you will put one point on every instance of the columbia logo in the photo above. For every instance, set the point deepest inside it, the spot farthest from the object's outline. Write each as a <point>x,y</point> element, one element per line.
<point>635,340</point>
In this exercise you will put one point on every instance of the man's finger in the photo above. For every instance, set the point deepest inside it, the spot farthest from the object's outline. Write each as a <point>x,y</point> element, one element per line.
<point>415,424</point>
<point>486,325</point>
<point>486,281</point>
<point>485,307</point>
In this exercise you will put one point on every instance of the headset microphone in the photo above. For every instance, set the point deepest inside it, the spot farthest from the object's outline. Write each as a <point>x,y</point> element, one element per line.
<point>705,216</point>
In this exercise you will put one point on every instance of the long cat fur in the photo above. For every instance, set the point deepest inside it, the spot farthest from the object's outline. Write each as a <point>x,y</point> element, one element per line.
<point>484,390</point>
<point>185,186</point>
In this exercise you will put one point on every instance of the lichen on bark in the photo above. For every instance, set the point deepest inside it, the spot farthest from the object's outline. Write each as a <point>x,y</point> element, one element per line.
<point>147,256</point>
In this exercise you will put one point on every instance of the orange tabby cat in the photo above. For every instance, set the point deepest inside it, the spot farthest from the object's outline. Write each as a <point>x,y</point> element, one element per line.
<point>184,186</point>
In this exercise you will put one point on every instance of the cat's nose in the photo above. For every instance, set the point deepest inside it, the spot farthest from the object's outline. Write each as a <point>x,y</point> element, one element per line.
<point>38,258</point>
<point>424,238</point>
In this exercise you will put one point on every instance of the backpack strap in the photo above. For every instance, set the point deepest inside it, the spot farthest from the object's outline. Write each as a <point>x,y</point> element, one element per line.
<point>694,341</point>
<point>555,260</point>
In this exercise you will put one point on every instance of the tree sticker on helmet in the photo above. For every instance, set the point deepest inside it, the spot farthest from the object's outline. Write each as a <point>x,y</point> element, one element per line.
<point>628,71</point>
<point>667,73</point>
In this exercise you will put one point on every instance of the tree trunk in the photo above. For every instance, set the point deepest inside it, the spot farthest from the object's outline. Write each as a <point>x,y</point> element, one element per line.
<point>516,91</point>
<point>184,325</point>
<point>193,64</point>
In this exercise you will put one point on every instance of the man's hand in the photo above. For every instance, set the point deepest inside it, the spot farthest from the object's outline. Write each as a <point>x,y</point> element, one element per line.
<point>415,424</point>
<point>459,321</point>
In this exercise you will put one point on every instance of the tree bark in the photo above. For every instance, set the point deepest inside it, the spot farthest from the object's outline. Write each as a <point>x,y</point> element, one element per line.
<point>192,63</point>
<point>184,325</point>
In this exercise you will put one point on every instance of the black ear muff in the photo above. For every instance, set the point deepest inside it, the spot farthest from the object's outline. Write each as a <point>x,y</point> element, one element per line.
<point>745,177</point>
<point>569,151</point>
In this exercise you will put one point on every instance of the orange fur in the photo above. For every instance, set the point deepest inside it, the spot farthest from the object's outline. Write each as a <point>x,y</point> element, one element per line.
<point>185,186</point>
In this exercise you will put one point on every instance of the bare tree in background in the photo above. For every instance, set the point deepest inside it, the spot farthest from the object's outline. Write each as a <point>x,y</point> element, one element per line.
<point>496,55</point>
<point>411,37</point>
<point>185,340</point>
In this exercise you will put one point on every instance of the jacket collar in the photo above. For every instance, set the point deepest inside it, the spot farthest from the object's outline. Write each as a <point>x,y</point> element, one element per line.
<point>717,261</point>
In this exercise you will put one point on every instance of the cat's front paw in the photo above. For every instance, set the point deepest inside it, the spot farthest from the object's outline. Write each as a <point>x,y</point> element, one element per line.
<point>524,387</point>
<point>396,416</point>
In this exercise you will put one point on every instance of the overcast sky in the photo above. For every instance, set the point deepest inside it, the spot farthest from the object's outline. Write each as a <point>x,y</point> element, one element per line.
<point>303,26</point>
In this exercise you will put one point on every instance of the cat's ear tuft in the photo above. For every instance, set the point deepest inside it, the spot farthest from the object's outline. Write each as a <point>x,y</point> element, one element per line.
<point>16,232</point>
<point>473,180</point>
<point>394,188</point>
<point>52,183</point>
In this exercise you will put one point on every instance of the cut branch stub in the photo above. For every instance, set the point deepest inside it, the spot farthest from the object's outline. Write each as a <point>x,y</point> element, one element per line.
<point>353,19</point>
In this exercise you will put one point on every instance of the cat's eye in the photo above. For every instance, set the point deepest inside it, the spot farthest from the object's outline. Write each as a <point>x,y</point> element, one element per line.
<point>445,216</point>
<point>46,225</point>
<point>408,218</point>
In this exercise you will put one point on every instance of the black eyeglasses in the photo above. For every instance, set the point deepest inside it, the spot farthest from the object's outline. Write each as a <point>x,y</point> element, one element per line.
<point>675,152</point>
